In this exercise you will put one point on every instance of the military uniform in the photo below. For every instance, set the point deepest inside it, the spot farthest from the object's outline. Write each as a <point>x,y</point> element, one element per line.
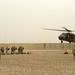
<point>13,49</point>
<point>2,50</point>
<point>20,50</point>
<point>73,52</point>
<point>7,49</point>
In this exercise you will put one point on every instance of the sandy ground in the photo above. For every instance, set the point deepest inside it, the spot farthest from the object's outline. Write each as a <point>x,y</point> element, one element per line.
<point>38,63</point>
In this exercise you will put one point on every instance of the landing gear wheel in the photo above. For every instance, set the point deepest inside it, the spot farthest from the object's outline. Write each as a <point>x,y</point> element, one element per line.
<point>69,42</point>
<point>61,41</point>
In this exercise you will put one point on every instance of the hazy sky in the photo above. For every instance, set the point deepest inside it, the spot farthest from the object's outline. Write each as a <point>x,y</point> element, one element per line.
<point>21,21</point>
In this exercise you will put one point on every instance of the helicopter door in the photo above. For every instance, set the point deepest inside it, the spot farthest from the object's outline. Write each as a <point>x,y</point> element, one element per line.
<point>70,38</point>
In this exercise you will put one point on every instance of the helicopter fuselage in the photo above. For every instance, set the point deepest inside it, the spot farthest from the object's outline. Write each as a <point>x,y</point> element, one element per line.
<point>70,37</point>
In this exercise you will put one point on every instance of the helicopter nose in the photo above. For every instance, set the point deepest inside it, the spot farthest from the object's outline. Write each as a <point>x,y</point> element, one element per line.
<point>60,37</point>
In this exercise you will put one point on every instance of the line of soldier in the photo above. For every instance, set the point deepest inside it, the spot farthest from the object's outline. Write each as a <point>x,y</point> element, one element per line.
<point>13,50</point>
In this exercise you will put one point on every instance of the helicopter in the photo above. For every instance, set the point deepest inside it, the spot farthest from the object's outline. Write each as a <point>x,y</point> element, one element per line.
<point>67,34</point>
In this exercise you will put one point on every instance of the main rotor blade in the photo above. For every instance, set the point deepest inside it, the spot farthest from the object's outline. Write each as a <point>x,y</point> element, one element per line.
<point>53,29</point>
<point>65,28</point>
<point>68,29</point>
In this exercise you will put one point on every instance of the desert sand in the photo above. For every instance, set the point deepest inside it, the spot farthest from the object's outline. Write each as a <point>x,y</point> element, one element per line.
<point>44,62</point>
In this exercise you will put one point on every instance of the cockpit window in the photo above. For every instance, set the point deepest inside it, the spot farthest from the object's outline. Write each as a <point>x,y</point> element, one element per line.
<point>63,35</point>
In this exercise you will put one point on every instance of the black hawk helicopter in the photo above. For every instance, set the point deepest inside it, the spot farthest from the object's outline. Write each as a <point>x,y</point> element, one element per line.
<point>66,36</point>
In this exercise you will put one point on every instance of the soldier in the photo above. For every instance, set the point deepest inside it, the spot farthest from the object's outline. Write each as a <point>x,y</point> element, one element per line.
<point>73,51</point>
<point>2,50</point>
<point>7,49</point>
<point>13,49</point>
<point>20,49</point>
